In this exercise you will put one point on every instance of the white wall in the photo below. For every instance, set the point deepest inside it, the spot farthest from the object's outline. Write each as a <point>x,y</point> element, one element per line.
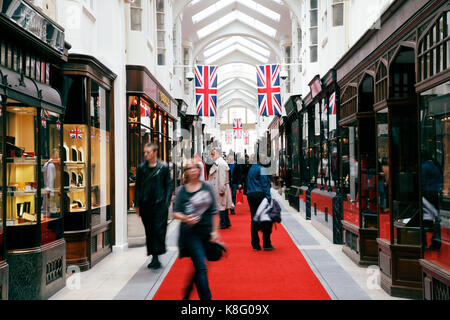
<point>101,34</point>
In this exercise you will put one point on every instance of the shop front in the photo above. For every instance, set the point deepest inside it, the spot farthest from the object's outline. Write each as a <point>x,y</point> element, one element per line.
<point>292,129</point>
<point>319,156</point>
<point>393,158</point>
<point>275,143</point>
<point>31,116</point>
<point>433,88</point>
<point>151,117</point>
<point>88,160</point>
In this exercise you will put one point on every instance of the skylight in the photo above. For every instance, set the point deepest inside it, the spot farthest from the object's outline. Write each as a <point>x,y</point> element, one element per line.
<point>236,15</point>
<point>220,45</point>
<point>237,47</point>
<point>223,3</point>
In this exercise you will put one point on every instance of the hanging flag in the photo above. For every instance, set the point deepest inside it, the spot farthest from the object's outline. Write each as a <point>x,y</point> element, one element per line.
<point>269,92</point>
<point>44,116</point>
<point>58,124</point>
<point>246,137</point>
<point>206,90</point>
<point>237,126</point>
<point>325,106</point>
<point>76,134</point>
<point>332,103</point>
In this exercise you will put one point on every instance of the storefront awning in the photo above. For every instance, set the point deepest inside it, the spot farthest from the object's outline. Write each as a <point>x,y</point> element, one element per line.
<point>20,88</point>
<point>51,99</point>
<point>25,90</point>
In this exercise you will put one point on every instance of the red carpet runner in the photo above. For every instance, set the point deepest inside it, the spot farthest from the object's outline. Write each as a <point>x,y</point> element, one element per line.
<point>282,274</point>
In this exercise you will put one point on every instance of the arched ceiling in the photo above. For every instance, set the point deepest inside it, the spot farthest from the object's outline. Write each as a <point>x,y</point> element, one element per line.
<point>236,35</point>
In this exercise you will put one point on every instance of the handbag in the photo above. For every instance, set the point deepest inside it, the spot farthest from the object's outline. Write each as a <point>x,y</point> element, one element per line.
<point>215,250</point>
<point>262,214</point>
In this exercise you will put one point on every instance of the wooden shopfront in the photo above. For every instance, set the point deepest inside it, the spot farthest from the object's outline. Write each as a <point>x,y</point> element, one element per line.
<point>88,158</point>
<point>319,155</point>
<point>32,253</point>
<point>394,99</point>
<point>151,116</point>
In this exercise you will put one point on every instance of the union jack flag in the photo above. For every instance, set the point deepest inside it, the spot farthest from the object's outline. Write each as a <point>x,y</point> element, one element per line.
<point>44,115</point>
<point>332,103</point>
<point>76,134</point>
<point>206,90</point>
<point>269,92</point>
<point>145,109</point>
<point>237,126</point>
<point>246,137</point>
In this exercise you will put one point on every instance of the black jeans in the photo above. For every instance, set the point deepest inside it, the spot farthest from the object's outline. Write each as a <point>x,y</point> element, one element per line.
<point>254,200</point>
<point>154,217</point>
<point>195,246</point>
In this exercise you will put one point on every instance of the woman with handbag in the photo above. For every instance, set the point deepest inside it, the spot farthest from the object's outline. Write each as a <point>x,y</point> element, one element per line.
<point>195,206</point>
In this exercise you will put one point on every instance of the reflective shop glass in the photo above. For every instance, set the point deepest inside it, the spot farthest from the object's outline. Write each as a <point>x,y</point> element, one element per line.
<point>435,172</point>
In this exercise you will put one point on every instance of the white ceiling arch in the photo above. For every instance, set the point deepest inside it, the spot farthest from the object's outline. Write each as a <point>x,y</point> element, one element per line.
<point>237,105</point>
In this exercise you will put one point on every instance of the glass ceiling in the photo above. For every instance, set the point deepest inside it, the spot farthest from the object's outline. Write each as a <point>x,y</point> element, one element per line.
<point>221,44</point>
<point>224,3</point>
<point>233,16</point>
<point>237,47</point>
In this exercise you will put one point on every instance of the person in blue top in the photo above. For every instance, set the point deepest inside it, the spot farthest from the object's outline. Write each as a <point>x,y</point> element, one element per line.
<point>258,188</point>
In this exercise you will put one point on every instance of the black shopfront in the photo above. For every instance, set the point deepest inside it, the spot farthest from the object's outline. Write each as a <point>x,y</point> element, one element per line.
<point>32,246</point>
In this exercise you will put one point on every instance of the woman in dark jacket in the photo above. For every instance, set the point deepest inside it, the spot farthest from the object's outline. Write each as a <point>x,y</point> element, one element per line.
<point>195,206</point>
<point>258,188</point>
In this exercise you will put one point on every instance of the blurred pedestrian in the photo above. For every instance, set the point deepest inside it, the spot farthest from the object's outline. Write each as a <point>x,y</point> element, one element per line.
<point>195,206</point>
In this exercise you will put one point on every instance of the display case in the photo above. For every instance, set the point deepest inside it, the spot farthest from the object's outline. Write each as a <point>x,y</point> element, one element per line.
<point>88,161</point>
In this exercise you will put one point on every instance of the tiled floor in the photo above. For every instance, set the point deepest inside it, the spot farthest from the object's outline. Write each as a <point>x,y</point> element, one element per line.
<point>124,275</point>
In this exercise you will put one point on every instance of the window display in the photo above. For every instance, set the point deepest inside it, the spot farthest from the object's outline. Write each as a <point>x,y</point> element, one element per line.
<point>50,142</point>
<point>349,161</point>
<point>100,196</point>
<point>21,165</point>
<point>435,173</point>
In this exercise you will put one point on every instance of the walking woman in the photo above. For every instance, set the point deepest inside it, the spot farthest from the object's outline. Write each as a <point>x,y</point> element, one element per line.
<point>195,206</point>
<point>258,188</point>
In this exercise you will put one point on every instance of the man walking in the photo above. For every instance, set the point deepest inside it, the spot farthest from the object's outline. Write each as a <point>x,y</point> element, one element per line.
<point>219,179</point>
<point>153,196</point>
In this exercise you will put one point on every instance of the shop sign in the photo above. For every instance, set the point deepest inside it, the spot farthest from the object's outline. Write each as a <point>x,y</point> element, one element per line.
<point>163,98</point>
<point>32,21</point>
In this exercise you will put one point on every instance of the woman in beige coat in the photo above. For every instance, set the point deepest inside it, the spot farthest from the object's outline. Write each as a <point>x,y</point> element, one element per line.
<point>220,180</point>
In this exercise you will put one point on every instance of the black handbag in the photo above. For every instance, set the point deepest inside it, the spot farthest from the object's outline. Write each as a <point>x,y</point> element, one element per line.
<point>215,251</point>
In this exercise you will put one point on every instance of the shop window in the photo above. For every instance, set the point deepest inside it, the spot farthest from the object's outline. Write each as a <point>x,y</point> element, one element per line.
<point>349,161</point>
<point>51,164</point>
<point>384,178</point>
<point>366,95</point>
<point>21,168</point>
<point>1,179</point>
<point>404,174</point>
<point>381,83</point>
<point>100,155</point>
<point>3,50</point>
<point>305,165</point>
<point>349,102</point>
<point>433,54</point>
<point>136,15</point>
<point>402,74</point>
<point>75,155</point>
<point>338,13</point>
<point>435,172</point>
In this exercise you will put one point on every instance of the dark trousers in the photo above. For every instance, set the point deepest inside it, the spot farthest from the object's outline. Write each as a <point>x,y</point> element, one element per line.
<point>154,218</point>
<point>196,249</point>
<point>224,219</point>
<point>234,189</point>
<point>254,200</point>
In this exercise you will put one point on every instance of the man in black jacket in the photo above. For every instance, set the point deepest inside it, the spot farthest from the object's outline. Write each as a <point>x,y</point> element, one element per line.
<point>153,196</point>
